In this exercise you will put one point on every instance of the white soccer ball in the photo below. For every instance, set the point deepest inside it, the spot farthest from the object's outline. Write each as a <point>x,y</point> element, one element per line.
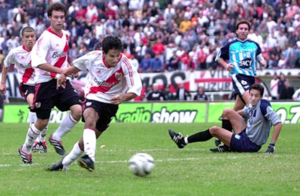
<point>141,164</point>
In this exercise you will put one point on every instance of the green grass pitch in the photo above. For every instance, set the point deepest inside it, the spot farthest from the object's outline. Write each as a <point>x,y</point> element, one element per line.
<point>193,170</point>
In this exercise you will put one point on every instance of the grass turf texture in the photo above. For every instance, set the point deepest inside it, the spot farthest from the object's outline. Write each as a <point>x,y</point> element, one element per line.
<point>193,170</point>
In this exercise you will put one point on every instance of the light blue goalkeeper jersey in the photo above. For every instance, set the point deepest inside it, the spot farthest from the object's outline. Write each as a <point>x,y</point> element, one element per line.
<point>260,120</point>
<point>243,55</point>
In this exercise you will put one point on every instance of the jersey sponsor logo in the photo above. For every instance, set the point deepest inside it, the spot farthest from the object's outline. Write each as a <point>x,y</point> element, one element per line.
<point>246,63</point>
<point>104,83</point>
<point>56,55</point>
<point>88,103</point>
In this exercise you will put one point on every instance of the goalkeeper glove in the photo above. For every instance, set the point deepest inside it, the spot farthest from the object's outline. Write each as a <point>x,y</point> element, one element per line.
<point>271,148</point>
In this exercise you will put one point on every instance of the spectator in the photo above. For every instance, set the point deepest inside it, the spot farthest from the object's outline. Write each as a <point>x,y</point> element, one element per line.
<point>274,87</point>
<point>155,94</point>
<point>134,62</point>
<point>168,94</point>
<point>156,64</point>
<point>200,96</point>
<point>145,65</point>
<point>12,43</point>
<point>296,95</point>
<point>289,89</point>
<point>4,12</point>
<point>173,63</point>
<point>282,91</point>
<point>73,52</point>
<point>182,94</point>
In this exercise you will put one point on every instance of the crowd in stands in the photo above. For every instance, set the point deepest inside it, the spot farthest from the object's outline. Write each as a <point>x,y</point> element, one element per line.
<point>164,35</point>
<point>160,35</point>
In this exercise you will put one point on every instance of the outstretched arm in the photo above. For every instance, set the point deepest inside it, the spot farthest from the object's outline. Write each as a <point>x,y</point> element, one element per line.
<point>61,81</point>
<point>118,99</point>
<point>2,85</point>
<point>277,129</point>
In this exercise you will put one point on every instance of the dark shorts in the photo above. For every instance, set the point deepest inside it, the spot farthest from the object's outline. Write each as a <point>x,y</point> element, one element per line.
<point>105,111</point>
<point>26,90</point>
<point>241,143</point>
<point>242,83</point>
<point>47,96</point>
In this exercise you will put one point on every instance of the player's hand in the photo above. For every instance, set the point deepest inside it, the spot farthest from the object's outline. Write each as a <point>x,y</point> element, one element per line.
<point>271,148</point>
<point>61,81</point>
<point>229,66</point>
<point>76,75</point>
<point>117,99</point>
<point>263,63</point>
<point>3,88</point>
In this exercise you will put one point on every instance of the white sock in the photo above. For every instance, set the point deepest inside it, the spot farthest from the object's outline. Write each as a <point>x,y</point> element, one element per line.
<point>65,126</point>
<point>89,141</point>
<point>43,134</point>
<point>75,153</point>
<point>32,118</point>
<point>32,134</point>
<point>186,140</point>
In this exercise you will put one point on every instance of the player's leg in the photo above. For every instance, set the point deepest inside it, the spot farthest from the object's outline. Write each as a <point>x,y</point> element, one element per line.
<point>239,104</point>
<point>102,114</point>
<point>202,136</point>
<point>67,100</point>
<point>42,107</point>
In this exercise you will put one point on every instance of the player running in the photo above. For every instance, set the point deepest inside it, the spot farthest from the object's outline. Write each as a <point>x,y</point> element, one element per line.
<point>21,58</point>
<point>112,80</point>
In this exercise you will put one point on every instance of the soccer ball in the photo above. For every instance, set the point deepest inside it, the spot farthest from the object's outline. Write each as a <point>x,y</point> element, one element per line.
<point>141,164</point>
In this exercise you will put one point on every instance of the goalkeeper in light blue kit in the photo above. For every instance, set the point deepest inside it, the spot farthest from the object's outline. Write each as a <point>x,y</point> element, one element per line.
<point>246,137</point>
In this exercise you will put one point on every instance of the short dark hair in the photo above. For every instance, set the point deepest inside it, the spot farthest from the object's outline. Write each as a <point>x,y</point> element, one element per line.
<point>242,22</point>
<point>56,7</point>
<point>111,42</point>
<point>26,29</point>
<point>258,87</point>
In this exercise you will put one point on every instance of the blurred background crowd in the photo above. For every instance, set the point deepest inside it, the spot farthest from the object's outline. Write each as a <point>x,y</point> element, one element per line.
<point>163,35</point>
<point>160,35</point>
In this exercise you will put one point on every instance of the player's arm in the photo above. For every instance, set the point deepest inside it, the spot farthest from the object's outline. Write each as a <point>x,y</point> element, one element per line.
<point>3,78</point>
<point>261,60</point>
<point>49,68</point>
<point>276,122</point>
<point>277,129</point>
<point>7,62</point>
<point>78,65</point>
<point>118,99</point>
<point>260,57</point>
<point>223,54</point>
<point>134,84</point>
<point>39,53</point>
<point>241,112</point>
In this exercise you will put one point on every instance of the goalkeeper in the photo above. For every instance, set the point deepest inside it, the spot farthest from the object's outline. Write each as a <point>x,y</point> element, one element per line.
<point>246,137</point>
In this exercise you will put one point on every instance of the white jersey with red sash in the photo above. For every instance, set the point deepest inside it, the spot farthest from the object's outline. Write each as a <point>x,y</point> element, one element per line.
<point>105,82</point>
<point>21,58</point>
<point>50,48</point>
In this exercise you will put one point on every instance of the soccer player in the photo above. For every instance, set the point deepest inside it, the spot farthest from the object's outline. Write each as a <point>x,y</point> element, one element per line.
<point>112,81</point>
<point>21,58</point>
<point>240,57</point>
<point>49,58</point>
<point>246,137</point>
